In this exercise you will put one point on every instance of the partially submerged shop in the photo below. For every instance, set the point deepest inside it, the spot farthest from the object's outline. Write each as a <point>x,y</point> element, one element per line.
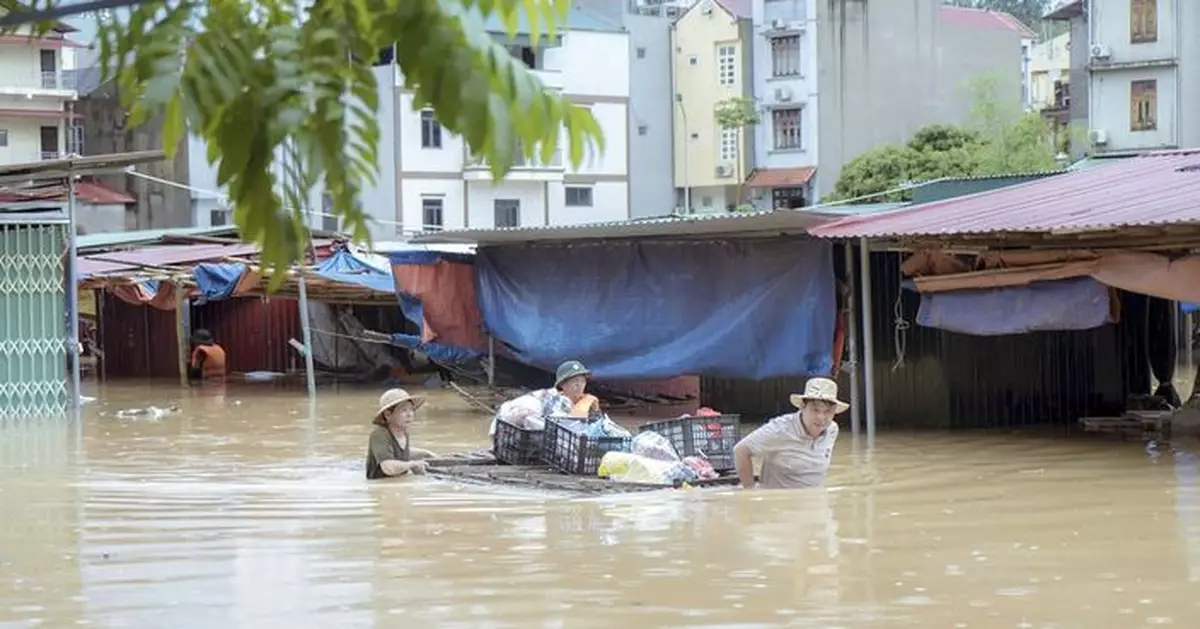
<point>699,305</point>
<point>1044,302</point>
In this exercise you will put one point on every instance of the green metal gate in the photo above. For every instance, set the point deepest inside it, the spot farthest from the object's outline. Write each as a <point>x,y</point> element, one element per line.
<point>33,335</point>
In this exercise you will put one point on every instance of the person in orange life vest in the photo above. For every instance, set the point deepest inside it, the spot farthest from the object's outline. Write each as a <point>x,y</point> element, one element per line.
<point>208,359</point>
<point>571,380</point>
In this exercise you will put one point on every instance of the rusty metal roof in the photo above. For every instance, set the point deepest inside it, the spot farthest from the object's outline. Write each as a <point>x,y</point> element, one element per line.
<point>1161,188</point>
<point>780,177</point>
<point>984,18</point>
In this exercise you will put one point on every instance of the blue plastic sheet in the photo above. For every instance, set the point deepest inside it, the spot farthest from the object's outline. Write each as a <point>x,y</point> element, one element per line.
<point>441,354</point>
<point>345,268</point>
<point>628,310</point>
<point>427,256</point>
<point>1074,304</point>
<point>1186,307</point>
<point>218,281</point>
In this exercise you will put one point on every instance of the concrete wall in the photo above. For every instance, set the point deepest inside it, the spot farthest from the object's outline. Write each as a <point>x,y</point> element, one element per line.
<point>1080,89</point>
<point>106,130</point>
<point>102,219</point>
<point>650,189</point>
<point>889,68</point>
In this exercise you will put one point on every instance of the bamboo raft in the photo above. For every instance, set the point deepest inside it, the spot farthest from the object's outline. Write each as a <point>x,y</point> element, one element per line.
<point>480,469</point>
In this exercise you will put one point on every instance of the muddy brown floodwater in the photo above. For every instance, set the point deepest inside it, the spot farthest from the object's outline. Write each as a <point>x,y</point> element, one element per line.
<point>247,510</point>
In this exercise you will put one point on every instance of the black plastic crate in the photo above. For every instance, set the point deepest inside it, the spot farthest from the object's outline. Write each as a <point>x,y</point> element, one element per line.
<point>712,437</point>
<point>569,449</point>
<point>517,446</point>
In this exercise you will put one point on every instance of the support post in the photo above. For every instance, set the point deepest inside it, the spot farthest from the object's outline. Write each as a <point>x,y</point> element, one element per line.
<point>182,335</point>
<point>310,374</point>
<point>73,293</point>
<point>491,360</point>
<point>852,342</point>
<point>868,337</point>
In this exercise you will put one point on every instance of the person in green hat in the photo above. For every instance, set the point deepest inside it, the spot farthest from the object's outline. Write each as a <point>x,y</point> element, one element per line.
<point>571,380</point>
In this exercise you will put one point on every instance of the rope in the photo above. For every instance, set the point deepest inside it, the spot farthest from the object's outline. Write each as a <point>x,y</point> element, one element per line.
<point>900,326</point>
<point>357,339</point>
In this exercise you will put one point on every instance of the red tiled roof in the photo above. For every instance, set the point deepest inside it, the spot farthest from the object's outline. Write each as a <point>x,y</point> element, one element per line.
<point>1160,188</point>
<point>97,193</point>
<point>780,177</point>
<point>86,191</point>
<point>739,8</point>
<point>983,18</point>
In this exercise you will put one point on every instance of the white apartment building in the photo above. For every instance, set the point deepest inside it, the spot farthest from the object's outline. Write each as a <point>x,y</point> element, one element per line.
<point>34,117</point>
<point>429,181</point>
<point>439,185</point>
<point>785,82</point>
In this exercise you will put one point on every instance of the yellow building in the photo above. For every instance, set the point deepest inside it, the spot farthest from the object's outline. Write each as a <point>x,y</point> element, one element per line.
<point>1050,69</point>
<point>710,62</point>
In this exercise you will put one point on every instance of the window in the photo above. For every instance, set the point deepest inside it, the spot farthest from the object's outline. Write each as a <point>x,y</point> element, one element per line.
<point>643,129</point>
<point>219,217</point>
<point>787,198</point>
<point>785,56</point>
<point>508,212</point>
<point>3,137</point>
<point>1143,21</point>
<point>75,139</point>
<point>432,214</point>
<point>330,222</point>
<point>431,131</point>
<point>726,64</point>
<point>578,196</point>
<point>787,128</point>
<point>641,52</point>
<point>728,144</point>
<point>1143,106</point>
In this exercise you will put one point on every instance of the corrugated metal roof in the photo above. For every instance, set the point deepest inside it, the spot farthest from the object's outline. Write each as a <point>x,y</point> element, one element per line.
<point>129,238</point>
<point>742,224</point>
<point>1154,189</point>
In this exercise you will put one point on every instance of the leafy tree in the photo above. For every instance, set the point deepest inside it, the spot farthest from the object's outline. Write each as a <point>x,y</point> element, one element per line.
<point>255,78</point>
<point>738,113</point>
<point>999,139</point>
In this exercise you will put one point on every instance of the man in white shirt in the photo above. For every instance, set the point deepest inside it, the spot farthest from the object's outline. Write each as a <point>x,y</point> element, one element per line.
<point>795,448</point>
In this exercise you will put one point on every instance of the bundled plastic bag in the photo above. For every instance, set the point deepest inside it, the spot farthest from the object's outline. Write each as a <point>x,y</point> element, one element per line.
<point>522,412</point>
<point>655,446</point>
<point>626,467</point>
<point>606,428</point>
<point>703,469</point>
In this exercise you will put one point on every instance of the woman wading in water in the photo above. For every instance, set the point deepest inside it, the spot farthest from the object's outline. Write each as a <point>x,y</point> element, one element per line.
<point>388,450</point>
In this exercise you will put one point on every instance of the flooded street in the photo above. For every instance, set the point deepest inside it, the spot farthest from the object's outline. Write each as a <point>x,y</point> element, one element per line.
<point>249,510</point>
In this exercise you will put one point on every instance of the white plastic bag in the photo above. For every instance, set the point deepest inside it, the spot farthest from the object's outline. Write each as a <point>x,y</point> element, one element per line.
<point>522,412</point>
<point>654,446</point>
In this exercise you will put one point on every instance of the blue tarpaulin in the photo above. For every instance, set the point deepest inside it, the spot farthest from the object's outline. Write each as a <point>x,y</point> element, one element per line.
<point>1186,307</point>
<point>743,309</point>
<point>1074,304</point>
<point>218,281</point>
<point>438,353</point>
<point>347,268</point>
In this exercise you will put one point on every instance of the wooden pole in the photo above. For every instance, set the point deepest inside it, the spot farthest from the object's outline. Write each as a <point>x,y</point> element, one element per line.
<point>181,332</point>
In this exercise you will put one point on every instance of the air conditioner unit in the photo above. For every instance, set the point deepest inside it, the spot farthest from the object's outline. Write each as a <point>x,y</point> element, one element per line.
<point>724,170</point>
<point>783,94</point>
<point>1100,51</point>
<point>778,24</point>
<point>1098,136</point>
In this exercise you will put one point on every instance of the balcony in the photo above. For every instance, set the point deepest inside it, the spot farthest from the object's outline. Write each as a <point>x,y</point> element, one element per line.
<point>476,168</point>
<point>39,83</point>
<point>552,79</point>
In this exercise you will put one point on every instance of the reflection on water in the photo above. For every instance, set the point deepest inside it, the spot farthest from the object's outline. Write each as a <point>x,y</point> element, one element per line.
<point>247,509</point>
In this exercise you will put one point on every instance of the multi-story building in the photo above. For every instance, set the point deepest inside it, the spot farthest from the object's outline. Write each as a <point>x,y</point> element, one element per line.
<point>35,117</point>
<point>429,180</point>
<point>1050,80</point>
<point>1135,72</point>
<point>648,24</point>
<point>836,79</point>
<point>711,63</point>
